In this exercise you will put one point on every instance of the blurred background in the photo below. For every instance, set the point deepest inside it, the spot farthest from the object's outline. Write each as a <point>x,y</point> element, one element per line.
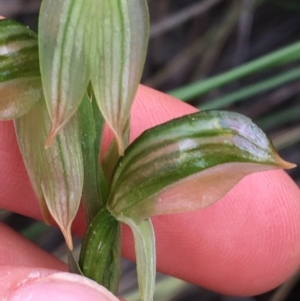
<point>241,55</point>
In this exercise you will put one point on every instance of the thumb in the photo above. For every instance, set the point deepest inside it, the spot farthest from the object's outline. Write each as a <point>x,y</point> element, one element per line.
<point>38,284</point>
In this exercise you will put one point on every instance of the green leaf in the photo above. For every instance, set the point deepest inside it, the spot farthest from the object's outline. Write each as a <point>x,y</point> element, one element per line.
<point>20,84</point>
<point>64,65</point>
<point>144,242</point>
<point>95,188</point>
<point>123,30</point>
<point>189,163</point>
<point>101,251</point>
<point>56,173</point>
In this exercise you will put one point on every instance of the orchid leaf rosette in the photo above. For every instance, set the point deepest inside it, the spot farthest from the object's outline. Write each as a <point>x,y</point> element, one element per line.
<point>62,86</point>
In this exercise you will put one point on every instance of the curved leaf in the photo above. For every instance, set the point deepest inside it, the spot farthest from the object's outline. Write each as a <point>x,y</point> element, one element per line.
<point>104,42</point>
<point>20,84</point>
<point>189,163</point>
<point>64,65</point>
<point>144,243</point>
<point>56,173</point>
<point>123,28</point>
<point>101,251</point>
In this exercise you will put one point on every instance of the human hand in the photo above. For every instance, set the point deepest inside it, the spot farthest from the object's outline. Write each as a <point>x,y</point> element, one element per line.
<point>245,244</point>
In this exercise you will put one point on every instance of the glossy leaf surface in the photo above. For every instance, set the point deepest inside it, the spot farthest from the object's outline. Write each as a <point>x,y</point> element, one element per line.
<point>20,84</point>
<point>104,42</point>
<point>56,173</point>
<point>189,163</point>
<point>101,251</point>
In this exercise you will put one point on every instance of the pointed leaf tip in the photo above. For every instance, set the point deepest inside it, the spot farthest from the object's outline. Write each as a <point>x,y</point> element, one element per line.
<point>52,134</point>
<point>56,173</point>
<point>66,231</point>
<point>189,163</point>
<point>60,54</point>
<point>124,26</point>
<point>56,127</point>
<point>120,145</point>
<point>283,163</point>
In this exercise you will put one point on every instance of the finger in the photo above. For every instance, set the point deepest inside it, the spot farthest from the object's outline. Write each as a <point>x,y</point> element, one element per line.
<point>16,193</point>
<point>245,244</point>
<point>239,245</point>
<point>38,277</point>
<point>15,250</point>
<point>42,284</point>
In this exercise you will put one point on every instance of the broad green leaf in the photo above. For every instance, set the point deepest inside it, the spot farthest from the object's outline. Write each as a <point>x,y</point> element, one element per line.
<point>104,42</point>
<point>101,251</point>
<point>56,173</point>
<point>63,28</point>
<point>144,242</point>
<point>20,84</point>
<point>189,163</point>
<point>123,30</point>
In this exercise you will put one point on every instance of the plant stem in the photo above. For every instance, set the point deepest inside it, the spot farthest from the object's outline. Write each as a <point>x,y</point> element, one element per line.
<point>272,60</point>
<point>252,90</point>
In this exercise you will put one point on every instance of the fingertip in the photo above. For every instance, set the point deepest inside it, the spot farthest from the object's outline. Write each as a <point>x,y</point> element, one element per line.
<point>50,285</point>
<point>12,277</point>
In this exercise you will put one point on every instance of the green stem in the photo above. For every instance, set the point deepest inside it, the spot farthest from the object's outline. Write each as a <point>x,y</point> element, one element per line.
<point>252,90</point>
<point>274,59</point>
<point>144,242</point>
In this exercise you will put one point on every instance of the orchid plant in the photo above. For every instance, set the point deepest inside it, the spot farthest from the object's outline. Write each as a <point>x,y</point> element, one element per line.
<point>61,86</point>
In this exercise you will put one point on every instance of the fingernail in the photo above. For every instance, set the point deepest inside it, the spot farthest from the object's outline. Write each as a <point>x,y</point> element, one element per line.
<point>61,286</point>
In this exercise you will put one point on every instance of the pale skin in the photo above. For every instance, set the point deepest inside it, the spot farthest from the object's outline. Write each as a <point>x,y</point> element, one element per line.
<point>245,244</point>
